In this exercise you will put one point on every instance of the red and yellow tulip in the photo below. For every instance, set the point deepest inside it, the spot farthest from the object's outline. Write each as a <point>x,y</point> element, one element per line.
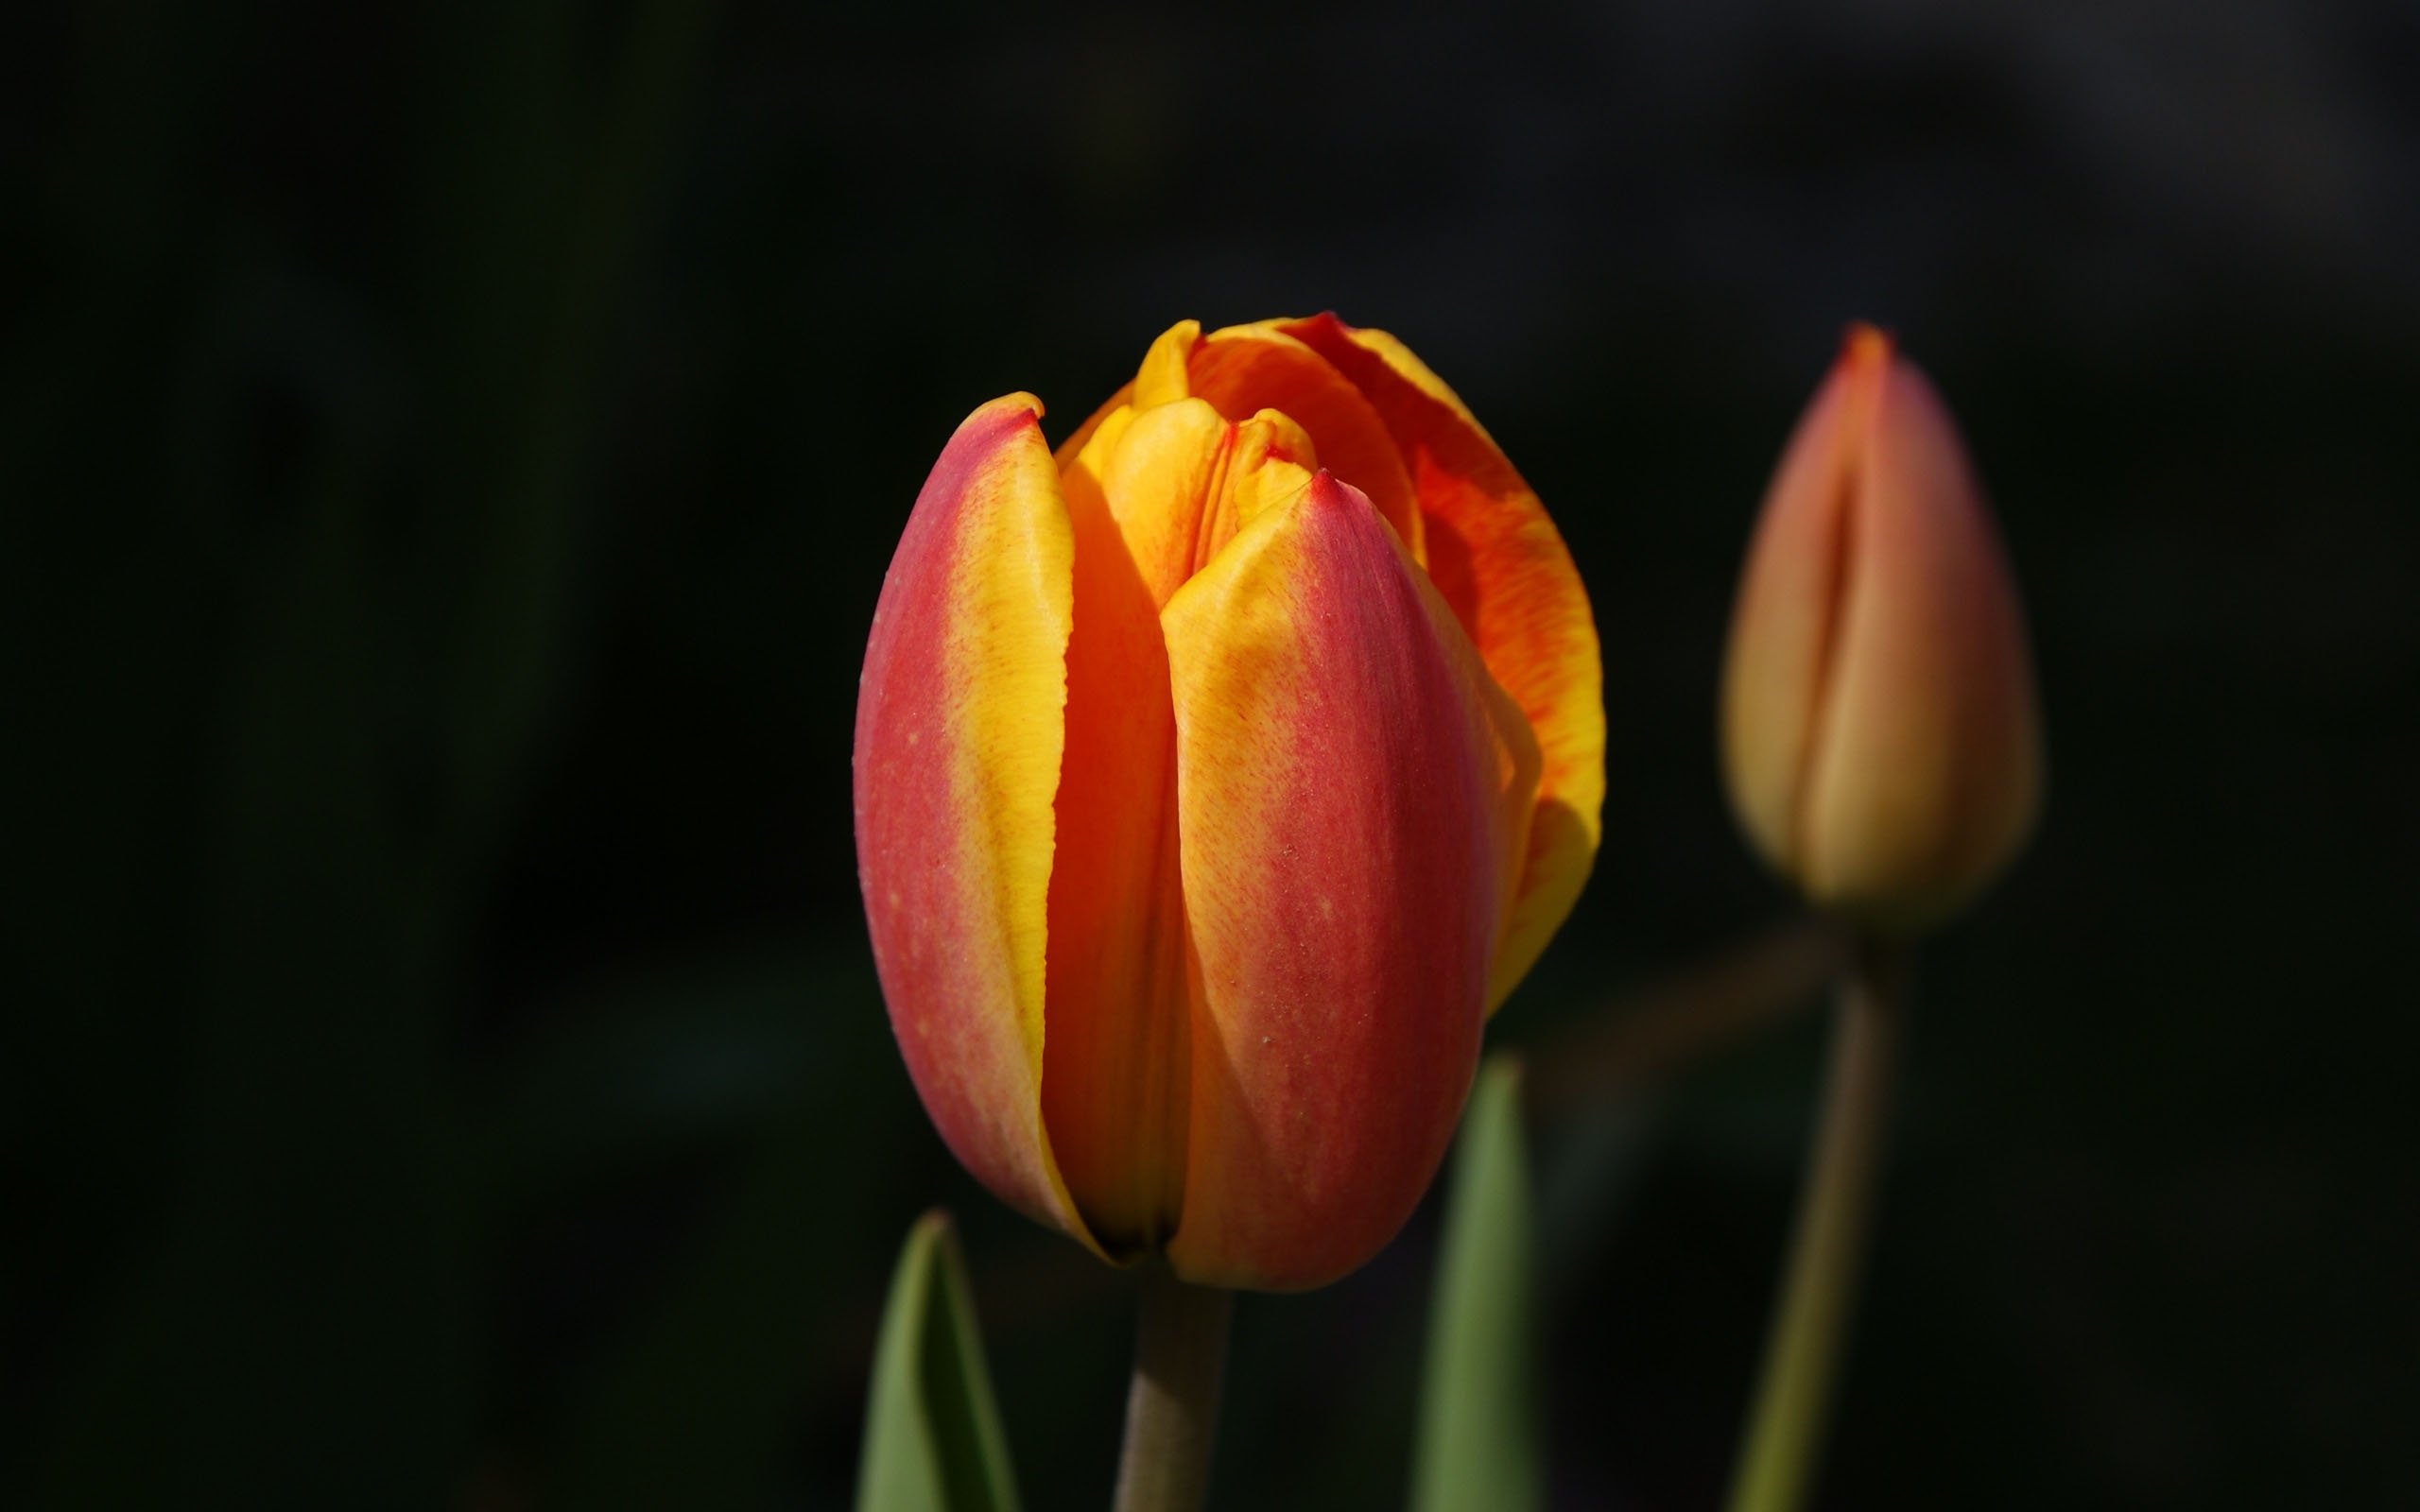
<point>1879,732</point>
<point>1216,778</point>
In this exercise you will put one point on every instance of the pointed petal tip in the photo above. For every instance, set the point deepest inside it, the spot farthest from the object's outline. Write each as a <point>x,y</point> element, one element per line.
<point>1865,344</point>
<point>1328,490</point>
<point>1019,402</point>
<point>1162,379</point>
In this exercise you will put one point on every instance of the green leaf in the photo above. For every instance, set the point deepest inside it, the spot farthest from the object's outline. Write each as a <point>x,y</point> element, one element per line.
<point>1479,1449</point>
<point>933,1439</point>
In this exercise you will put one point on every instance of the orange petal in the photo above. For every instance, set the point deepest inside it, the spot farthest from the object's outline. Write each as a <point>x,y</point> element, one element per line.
<point>1158,474</point>
<point>1343,807</point>
<point>1179,479</point>
<point>1502,566</point>
<point>1113,1085</point>
<point>1151,492</point>
<point>1273,461</point>
<point>1246,369</point>
<point>957,761</point>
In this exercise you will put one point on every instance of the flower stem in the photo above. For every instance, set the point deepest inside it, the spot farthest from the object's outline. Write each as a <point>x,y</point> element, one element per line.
<point>1172,1407</point>
<point>1785,1427</point>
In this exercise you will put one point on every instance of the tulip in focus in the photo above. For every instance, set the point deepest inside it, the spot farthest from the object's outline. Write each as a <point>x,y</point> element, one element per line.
<point>1214,779</point>
<point>1878,726</point>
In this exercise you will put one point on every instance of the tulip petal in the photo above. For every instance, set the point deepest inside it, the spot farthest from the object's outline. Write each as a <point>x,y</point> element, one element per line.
<point>1158,472</point>
<point>1179,479</point>
<point>1113,1083</point>
<point>1783,626</point>
<point>1248,367</point>
<point>1272,462</point>
<point>1152,493</point>
<point>1501,564</point>
<point>1931,680</point>
<point>956,764</point>
<point>1165,376</point>
<point>1347,785</point>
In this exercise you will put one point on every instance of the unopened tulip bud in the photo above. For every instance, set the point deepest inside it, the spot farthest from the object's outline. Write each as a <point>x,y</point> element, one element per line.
<point>1879,733</point>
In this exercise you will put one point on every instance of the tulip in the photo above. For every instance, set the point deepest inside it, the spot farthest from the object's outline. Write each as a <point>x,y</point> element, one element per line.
<point>1214,779</point>
<point>1878,727</point>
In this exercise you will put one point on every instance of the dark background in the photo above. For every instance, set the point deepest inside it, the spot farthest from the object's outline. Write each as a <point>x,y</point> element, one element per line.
<point>449,455</point>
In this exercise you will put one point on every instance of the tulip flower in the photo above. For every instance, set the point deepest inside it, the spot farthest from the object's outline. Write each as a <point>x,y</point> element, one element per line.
<point>1214,779</point>
<point>1878,726</point>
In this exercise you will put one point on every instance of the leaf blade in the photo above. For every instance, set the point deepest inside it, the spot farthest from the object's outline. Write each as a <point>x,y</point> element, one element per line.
<point>1479,1445</point>
<point>933,1439</point>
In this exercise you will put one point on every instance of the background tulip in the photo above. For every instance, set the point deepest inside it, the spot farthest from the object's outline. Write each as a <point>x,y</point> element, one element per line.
<point>1214,779</point>
<point>1878,726</point>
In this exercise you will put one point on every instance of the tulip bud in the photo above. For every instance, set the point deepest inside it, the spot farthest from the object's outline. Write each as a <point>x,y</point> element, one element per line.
<point>1214,779</point>
<point>1880,734</point>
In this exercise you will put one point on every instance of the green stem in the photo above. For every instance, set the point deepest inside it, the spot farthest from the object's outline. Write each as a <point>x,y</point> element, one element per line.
<point>1794,1395</point>
<point>1172,1407</point>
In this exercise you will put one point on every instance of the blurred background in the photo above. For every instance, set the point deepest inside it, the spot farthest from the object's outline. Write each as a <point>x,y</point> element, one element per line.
<point>450,454</point>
